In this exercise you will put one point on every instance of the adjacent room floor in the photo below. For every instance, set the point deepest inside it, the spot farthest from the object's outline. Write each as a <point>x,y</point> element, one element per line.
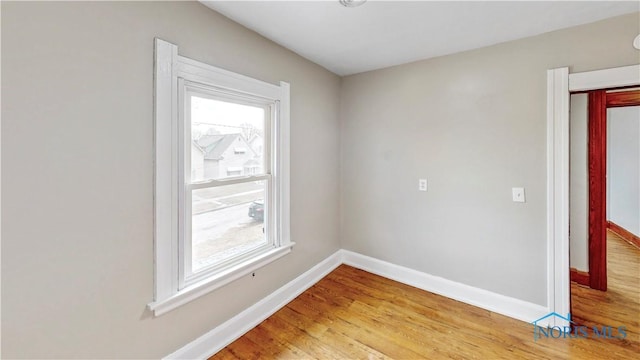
<point>352,314</point>
<point>620,304</point>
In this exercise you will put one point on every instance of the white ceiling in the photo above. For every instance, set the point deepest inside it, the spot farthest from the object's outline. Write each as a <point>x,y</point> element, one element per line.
<point>379,34</point>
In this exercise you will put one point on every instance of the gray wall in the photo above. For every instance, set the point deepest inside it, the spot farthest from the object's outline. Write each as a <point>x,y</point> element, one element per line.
<point>623,162</point>
<point>77,230</point>
<point>579,184</point>
<point>473,124</point>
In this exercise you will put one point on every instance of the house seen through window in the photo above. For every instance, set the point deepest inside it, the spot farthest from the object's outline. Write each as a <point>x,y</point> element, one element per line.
<point>227,140</point>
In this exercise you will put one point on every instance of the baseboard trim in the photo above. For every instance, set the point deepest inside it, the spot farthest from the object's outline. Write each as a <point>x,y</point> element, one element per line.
<point>501,304</point>
<point>226,333</point>
<point>580,277</point>
<point>625,234</point>
<point>223,335</point>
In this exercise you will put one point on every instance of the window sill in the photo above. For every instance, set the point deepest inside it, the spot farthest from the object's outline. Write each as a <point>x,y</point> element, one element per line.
<point>204,287</point>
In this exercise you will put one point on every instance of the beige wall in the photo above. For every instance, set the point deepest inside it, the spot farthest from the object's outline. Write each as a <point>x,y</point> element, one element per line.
<point>77,234</point>
<point>474,125</point>
<point>579,183</point>
<point>623,167</point>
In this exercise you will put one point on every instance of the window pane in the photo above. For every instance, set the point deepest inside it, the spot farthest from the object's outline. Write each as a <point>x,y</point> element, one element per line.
<point>227,221</point>
<point>227,139</point>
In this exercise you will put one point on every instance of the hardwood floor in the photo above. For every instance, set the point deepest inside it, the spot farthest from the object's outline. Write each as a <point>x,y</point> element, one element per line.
<point>352,314</point>
<point>620,304</point>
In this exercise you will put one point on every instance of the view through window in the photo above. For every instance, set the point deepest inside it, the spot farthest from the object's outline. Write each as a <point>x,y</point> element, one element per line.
<point>227,143</point>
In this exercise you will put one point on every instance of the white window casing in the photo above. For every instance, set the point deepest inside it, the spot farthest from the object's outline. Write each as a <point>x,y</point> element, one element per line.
<point>174,74</point>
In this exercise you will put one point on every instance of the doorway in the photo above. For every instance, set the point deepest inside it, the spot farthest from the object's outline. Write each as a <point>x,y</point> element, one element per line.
<point>560,82</point>
<point>605,168</point>
<point>601,120</point>
<point>590,216</point>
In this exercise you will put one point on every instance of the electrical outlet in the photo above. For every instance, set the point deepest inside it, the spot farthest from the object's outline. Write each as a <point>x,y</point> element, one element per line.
<point>518,195</point>
<point>422,184</point>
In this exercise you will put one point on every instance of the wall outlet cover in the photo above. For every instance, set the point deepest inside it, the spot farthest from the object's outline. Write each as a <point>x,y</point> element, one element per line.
<point>518,194</point>
<point>422,184</point>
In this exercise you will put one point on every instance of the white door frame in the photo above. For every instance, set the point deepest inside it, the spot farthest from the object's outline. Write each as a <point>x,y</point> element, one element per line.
<point>559,84</point>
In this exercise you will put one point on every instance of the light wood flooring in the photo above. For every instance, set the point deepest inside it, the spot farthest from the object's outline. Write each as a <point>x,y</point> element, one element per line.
<point>620,304</point>
<point>352,314</point>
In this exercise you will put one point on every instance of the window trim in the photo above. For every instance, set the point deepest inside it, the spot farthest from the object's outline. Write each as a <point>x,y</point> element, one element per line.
<point>169,67</point>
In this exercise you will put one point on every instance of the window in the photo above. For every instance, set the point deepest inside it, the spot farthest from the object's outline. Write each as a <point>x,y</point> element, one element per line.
<point>222,176</point>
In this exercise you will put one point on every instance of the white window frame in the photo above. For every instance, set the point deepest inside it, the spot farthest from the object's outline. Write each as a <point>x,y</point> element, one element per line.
<point>171,72</point>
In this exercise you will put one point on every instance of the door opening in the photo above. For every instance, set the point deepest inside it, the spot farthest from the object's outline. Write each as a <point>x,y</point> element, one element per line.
<point>599,102</point>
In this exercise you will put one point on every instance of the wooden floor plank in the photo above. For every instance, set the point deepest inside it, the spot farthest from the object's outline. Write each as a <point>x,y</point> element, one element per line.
<point>244,348</point>
<point>620,304</point>
<point>352,314</point>
<point>352,348</point>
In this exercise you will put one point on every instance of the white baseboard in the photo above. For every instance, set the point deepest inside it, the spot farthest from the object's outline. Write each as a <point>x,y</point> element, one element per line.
<point>508,306</point>
<point>226,333</point>
<point>223,335</point>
